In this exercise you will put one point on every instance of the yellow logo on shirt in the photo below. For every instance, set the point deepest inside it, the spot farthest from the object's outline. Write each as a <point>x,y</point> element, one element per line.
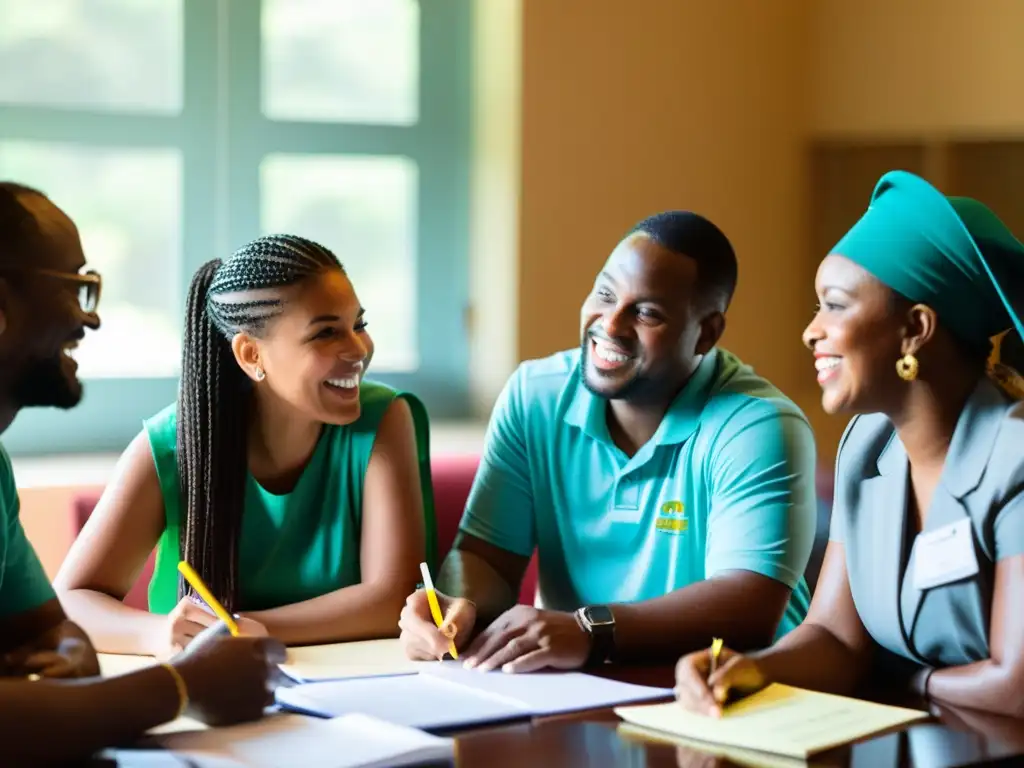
<point>672,518</point>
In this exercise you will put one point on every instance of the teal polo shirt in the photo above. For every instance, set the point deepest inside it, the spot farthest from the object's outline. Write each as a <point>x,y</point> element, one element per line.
<point>23,582</point>
<point>725,484</point>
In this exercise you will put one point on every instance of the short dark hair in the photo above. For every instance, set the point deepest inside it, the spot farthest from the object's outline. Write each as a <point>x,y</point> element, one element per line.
<point>20,233</point>
<point>225,298</point>
<point>690,234</point>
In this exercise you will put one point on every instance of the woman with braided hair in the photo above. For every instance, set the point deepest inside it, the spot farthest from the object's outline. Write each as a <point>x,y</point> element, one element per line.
<point>298,490</point>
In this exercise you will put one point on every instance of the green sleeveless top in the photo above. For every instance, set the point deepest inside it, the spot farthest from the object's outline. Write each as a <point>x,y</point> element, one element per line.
<point>302,544</point>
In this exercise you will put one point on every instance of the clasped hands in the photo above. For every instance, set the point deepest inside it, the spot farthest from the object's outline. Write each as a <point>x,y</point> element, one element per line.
<point>522,639</point>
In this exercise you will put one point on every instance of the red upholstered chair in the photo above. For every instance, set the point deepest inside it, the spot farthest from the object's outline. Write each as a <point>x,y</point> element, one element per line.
<point>452,477</point>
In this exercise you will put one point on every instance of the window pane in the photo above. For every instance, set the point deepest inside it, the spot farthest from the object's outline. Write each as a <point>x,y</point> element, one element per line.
<point>98,54</point>
<point>127,205</point>
<point>341,60</point>
<point>363,209</point>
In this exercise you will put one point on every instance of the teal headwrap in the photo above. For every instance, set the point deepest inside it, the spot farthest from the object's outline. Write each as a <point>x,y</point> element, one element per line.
<point>951,253</point>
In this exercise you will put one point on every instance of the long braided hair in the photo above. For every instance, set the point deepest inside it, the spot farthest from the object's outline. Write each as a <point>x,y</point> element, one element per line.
<point>224,299</point>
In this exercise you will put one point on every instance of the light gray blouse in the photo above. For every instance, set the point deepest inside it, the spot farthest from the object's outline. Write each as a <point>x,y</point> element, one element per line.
<point>982,481</point>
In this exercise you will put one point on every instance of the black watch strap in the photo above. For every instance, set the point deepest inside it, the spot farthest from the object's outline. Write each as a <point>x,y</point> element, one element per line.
<point>599,623</point>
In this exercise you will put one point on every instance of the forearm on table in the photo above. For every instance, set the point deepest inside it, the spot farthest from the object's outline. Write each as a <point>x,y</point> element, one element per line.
<point>812,657</point>
<point>984,685</point>
<point>113,626</point>
<point>687,619</point>
<point>464,574</point>
<point>364,611</point>
<point>87,715</point>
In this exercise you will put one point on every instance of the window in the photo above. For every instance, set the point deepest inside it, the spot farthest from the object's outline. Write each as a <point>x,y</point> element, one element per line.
<point>174,131</point>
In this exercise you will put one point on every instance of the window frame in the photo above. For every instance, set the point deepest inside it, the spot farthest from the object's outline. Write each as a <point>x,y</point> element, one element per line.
<point>221,173</point>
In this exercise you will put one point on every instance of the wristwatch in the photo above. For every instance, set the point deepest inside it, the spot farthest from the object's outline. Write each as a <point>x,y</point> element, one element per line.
<point>598,622</point>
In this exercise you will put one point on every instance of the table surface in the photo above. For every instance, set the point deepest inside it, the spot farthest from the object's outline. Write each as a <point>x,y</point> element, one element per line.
<point>599,738</point>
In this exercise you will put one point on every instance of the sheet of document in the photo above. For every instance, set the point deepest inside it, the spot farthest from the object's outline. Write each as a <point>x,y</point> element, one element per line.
<point>445,695</point>
<point>285,741</point>
<point>416,701</point>
<point>780,720</point>
<point>159,758</point>
<point>548,692</point>
<point>369,658</point>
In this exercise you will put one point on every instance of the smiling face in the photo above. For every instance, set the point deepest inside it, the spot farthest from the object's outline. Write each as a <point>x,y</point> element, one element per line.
<point>642,327</point>
<point>314,353</point>
<point>857,335</point>
<point>42,318</point>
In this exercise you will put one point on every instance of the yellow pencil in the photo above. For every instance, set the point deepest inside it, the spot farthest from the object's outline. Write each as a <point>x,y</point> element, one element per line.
<point>197,584</point>
<point>435,608</point>
<point>716,649</point>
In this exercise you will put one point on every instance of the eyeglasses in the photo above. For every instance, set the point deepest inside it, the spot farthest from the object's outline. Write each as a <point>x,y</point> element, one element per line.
<point>89,285</point>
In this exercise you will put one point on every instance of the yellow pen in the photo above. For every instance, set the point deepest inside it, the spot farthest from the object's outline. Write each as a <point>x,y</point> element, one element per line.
<point>435,609</point>
<point>197,584</point>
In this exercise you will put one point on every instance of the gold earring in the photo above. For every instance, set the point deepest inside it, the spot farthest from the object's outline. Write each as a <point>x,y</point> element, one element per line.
<point>906,367</point>
<point>260,375</point>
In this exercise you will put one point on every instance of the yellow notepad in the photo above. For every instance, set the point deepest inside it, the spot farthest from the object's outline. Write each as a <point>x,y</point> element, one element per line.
<point>780,720</point>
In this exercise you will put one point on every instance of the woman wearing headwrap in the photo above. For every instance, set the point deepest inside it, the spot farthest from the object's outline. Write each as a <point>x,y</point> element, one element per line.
<point>924,569</point>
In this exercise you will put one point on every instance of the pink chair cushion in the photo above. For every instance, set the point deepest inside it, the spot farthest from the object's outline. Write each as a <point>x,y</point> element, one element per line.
<point>452,478</point>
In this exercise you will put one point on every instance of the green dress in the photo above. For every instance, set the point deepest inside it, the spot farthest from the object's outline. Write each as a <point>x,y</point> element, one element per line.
<point>302,544</point>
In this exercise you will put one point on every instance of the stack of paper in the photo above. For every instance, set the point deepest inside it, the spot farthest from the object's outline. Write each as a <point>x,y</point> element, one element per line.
<point>285,741</point>
<point>780,720</point>
<point>445,695</point>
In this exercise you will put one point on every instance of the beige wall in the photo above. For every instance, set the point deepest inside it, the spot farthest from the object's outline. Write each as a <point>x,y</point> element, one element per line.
<point>46,516</point>
<point>631,108</point>
<point>933,66</point>
<point>590,114</point>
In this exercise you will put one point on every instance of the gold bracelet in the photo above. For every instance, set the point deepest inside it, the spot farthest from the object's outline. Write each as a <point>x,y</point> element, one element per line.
<point>179,683</point>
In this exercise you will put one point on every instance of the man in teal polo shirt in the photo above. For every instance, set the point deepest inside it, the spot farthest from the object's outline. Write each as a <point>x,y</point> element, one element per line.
<point>667,489</point>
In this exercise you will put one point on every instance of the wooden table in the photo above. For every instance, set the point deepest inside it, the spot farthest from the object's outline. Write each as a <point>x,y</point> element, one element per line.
<point>598,738</point>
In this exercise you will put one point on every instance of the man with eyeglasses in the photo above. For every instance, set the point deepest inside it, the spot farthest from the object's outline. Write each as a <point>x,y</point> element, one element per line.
<point>47,302</point>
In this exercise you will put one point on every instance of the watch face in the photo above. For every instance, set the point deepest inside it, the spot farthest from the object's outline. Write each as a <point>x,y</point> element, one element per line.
<point>598,615</point>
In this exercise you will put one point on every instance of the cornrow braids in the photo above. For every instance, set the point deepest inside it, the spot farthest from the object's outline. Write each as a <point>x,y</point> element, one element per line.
<point>213,395</point>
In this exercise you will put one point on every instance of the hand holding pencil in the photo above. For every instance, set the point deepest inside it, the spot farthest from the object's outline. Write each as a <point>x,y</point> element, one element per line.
<point>434,624</point>
<point>705,680</point>
<point>192,615</point>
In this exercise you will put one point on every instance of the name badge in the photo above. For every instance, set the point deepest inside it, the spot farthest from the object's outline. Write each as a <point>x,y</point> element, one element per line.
<point>944,555</point>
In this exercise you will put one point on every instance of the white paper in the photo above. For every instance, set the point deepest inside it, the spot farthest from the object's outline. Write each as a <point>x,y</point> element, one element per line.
<point>284,741</point>
<point>159,758</point>
<point>446,695</point>
<point>419,701</point>
<point>548,692</point>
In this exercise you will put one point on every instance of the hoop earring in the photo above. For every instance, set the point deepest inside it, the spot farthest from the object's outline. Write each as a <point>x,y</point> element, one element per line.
<point>260,375</point>
<point>907,367</point>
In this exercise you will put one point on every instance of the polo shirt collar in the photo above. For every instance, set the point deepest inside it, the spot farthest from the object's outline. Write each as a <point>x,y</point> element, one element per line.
<point>588,412</point>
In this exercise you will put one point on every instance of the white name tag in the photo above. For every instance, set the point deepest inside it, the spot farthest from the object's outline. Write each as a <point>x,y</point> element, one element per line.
<point>944,555</point>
